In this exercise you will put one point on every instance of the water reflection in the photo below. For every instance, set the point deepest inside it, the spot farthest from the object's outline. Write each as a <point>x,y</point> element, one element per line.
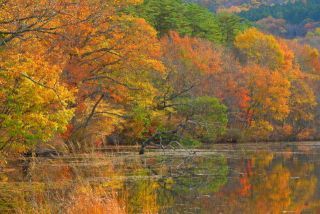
<point>224,179</point>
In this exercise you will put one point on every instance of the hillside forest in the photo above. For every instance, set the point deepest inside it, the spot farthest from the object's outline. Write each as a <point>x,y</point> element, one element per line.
<point>128,72</point>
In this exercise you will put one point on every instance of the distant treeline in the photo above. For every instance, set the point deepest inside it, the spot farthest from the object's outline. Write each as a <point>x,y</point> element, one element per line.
<point>294,13</point>
<point>215,5</point>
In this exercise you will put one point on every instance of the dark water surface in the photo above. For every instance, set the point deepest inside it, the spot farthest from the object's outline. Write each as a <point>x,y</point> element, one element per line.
<point>247,178</point>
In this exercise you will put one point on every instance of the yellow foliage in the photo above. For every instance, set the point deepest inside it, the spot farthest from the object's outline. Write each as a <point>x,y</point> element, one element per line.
<point>260,48</point>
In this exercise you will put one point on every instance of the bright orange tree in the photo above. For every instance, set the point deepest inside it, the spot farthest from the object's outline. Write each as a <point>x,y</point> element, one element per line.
<point>112,60</point>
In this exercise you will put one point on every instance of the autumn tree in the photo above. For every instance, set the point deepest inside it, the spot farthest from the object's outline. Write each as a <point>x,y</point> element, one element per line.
<point>34,100</point>
<point>250,44</point>
<point>112,59</point>
<point>281,89</point>
<point>190,62</point>
<point>186,96</point>
<point>305,83</point>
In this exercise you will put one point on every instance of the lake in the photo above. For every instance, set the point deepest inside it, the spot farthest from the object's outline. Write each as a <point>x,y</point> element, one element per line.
<point>243,178</point>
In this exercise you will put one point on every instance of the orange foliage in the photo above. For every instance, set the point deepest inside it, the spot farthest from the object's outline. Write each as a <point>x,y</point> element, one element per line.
<point>195,52</point>
<point>269,91</point>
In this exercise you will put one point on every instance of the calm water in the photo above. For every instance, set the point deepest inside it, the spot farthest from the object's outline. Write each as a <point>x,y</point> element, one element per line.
<point>253,178</point>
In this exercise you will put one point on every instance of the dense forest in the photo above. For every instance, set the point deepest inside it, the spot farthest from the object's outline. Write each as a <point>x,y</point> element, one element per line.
<point>93,72</point>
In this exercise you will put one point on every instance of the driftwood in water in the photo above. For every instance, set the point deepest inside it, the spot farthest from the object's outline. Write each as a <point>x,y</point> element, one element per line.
<point>157,136</point>
<point>42,153</point>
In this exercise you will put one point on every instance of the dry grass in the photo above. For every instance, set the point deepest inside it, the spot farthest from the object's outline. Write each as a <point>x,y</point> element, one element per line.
<point>90,201</point>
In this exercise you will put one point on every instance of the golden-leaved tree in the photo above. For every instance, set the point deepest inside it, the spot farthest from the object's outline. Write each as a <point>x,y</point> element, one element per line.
<point>34,100</point>
<point>281,98</point>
